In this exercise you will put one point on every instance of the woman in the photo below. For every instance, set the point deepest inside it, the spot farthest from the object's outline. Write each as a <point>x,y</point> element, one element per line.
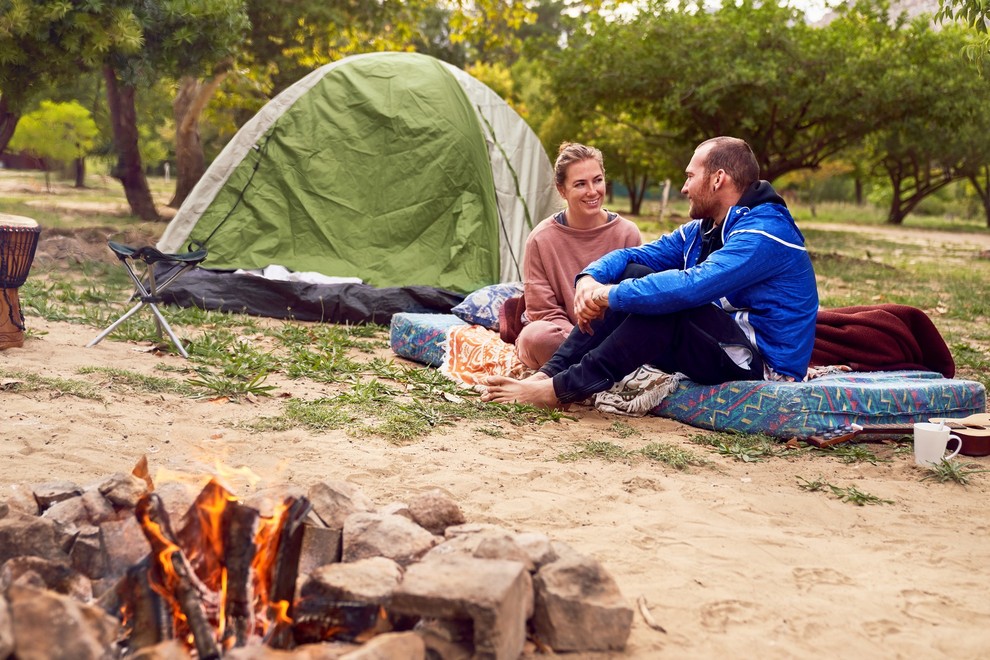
<point>561,246</point>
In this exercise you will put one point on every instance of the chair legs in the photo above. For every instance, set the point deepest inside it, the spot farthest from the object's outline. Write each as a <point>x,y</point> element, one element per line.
<point>159,320</point>
<point>150,295</point>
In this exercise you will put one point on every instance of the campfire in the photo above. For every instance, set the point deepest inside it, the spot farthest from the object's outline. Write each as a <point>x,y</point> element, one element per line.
<point>147,567</point>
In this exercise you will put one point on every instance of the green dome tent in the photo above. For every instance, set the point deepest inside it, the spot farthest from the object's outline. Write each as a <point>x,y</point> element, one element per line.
<point>395,168</point>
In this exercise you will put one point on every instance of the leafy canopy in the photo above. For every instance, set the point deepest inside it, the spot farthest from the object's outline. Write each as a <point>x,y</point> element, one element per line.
<point>56,132</point>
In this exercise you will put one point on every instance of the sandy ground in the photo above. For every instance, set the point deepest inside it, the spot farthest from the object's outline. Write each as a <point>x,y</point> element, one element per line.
<point>734,559</point>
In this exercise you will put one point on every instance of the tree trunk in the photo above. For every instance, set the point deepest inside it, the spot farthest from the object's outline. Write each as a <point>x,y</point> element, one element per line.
<point>639,195</point>
<point>8,122</point>
<point>859,191</point>
<point>187,108</point>
<point>128,170</point>
<point>80,167</point>
<point>983,189</point>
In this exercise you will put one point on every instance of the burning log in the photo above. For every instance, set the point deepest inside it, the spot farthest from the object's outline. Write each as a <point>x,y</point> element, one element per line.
<point>284,571</point>
<point>240,527</point>
<point>173,577</point>
<point>146,620</point>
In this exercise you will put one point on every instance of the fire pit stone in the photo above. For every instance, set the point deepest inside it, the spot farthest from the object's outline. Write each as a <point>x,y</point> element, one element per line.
<point>435,511</point>
<point>484,544</point>
<point>334,500</point>
<point>57,576</point>
<point>123,490</point>
<point>495,594</point>
<point>579,607</point>
<point>406,645</point>
<point>46,624</point>
<point>19,498</point>
<point>381,535</point>
<point>371,580</point>
<point>50,493</point>
<point>87,552</point>
<point>21,534</point>
<point>6,630</point>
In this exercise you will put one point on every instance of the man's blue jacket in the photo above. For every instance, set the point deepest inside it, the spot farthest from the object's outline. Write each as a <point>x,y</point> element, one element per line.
<point>762,274</point>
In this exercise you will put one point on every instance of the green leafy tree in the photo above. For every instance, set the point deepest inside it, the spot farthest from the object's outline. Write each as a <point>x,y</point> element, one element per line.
<point>57,133</point>
<point>490,28</point>
<point>133,43</point>
<point>799,94</point>
<point>181,39</point>
<point>44,44</point>
<point>974,14</point>
<point>942,135</point>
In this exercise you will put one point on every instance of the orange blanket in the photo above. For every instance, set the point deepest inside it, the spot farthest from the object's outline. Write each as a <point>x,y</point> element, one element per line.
<point>471,353</point>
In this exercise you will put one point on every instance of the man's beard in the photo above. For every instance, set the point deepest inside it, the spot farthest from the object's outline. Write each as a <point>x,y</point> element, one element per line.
<point>702,205</point>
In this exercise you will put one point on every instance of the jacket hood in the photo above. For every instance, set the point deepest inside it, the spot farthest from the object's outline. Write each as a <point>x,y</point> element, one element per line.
<point>760,192</point>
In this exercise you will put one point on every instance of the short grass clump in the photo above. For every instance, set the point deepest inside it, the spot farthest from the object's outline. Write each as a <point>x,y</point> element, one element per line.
<point>129,381</point>
<point>234,387</point>
<point>953,471</point>
<point>746,447</point>
<point>852,453</point>
<point>600,449</point>
<point>673,455</point>
<point>15,381</point>
<point>849,494</point>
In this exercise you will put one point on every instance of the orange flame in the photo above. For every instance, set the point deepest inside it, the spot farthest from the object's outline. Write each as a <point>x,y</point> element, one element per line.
<point>280,612</point>
<point>205,534</point>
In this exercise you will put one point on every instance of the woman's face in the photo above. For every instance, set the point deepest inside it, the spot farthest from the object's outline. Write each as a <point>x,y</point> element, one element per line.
<point>584,187</point>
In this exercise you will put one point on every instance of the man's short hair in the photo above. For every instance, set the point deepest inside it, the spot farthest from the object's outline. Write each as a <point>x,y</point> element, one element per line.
<point>735,157</point>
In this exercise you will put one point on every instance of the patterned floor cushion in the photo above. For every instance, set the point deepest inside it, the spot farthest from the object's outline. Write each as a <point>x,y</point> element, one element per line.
<point>420,337</point>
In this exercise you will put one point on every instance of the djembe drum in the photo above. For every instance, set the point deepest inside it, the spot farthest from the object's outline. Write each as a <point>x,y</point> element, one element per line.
<point>18,241</point>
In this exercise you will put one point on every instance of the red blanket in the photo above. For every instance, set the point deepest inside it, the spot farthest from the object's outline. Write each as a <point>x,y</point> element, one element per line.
<point>880,338</point>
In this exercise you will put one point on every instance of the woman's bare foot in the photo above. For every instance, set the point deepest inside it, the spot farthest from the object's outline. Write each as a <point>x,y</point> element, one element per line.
<point>536,390</point>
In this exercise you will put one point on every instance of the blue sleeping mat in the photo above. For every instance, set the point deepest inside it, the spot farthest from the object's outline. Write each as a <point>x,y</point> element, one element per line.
<point>814,407</point>
<point>784,410</point>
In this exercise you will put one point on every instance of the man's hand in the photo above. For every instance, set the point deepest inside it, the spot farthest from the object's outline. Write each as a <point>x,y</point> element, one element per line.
<point>590,301</point>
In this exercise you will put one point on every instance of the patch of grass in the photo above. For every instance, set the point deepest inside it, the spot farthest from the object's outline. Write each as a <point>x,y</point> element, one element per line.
<point>16,381</point>
<point>856,496</point>
<point>492,430</point>
<point>319,415</point>
<point>672,455</point>
<point>332,365</point>
<point>746,447</point>
<point>129,380</point>
<point>853,453</point>
<point>210,384</point>
<point>400,423</point>
<point>849,494</point>
<point>622,430</point>
<point>369,394</point>
<point>601,449</point>
<point>954,471</point>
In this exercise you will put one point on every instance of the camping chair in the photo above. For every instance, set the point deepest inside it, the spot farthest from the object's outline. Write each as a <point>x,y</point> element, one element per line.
<point>150,294</point>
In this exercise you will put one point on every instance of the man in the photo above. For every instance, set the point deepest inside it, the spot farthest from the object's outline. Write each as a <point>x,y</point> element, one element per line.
<point>730,295</point>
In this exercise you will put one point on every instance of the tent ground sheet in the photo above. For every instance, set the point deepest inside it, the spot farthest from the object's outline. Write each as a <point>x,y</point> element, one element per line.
<point>784,410</point>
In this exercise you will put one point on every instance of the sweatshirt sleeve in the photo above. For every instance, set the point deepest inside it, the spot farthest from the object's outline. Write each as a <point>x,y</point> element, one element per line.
<point>541,301</point>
